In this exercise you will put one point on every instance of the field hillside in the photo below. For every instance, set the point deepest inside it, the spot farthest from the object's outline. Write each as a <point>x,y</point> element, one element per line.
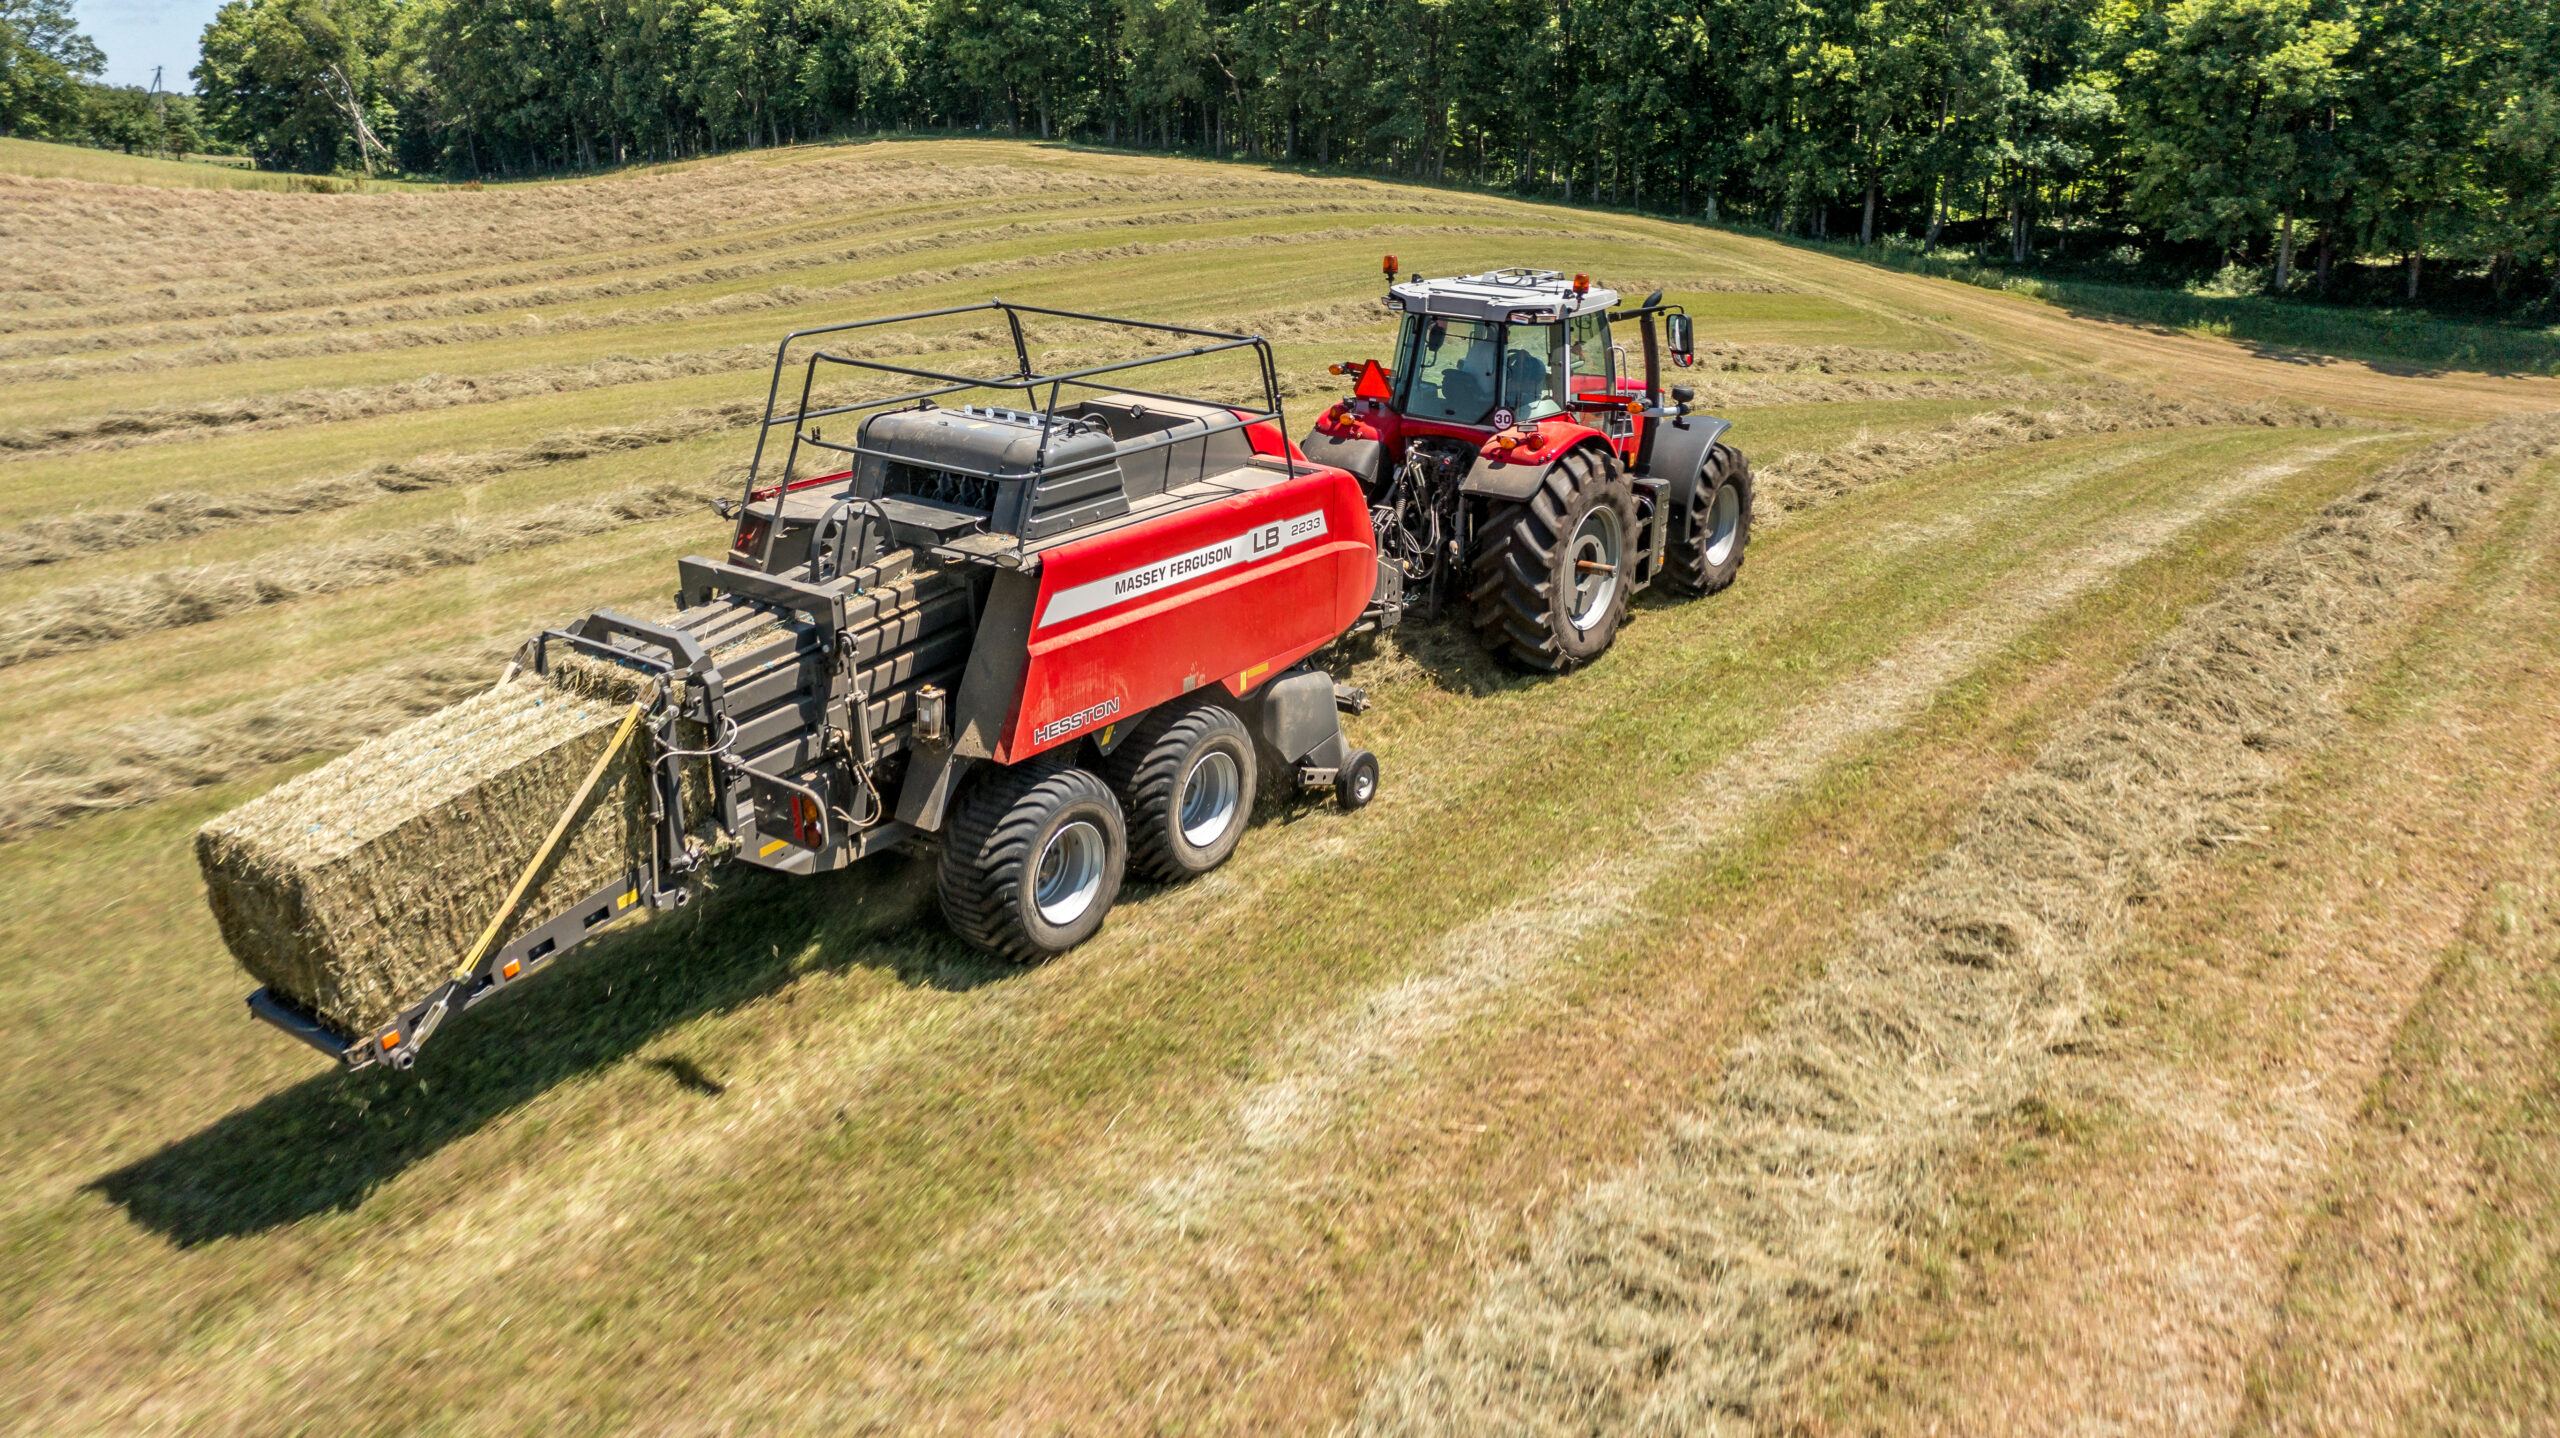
<point>2071,940</point>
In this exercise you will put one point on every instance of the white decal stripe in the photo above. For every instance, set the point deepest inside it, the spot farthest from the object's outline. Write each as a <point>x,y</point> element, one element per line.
<point>1260,542</point>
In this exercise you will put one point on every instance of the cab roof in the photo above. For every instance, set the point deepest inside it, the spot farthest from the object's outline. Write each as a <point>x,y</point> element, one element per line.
<point>1500,295</point>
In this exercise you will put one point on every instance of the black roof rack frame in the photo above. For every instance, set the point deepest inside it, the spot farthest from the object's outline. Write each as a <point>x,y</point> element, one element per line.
<point>1024,379</point>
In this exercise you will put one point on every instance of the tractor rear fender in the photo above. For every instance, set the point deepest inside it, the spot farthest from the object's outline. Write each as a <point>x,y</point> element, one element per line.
<point>1365,458</point>
<point>1503,479</point>
<point>1678,453</point>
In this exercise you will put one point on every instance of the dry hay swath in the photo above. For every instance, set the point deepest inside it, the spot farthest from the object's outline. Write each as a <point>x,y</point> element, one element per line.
<point>60,777</point>
<point>232,302</point>
<point>183,243</point>
<point>203,299</point>
<point>742,302</point>
<point>1832,359</point>
<point>1718,395</point>
<point>185,514</point>
<point>1802,481</point>
<point>83,616</point>
<point>186,242</point>
<point>1630,288</point>
<point>117,429</point>
<point>1685,1294</point>
<point>354,889</point>
<point>177,422</point>
<point>488,300</point>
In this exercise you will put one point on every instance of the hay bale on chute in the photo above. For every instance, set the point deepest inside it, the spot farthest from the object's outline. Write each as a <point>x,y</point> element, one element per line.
<point>351,891</point>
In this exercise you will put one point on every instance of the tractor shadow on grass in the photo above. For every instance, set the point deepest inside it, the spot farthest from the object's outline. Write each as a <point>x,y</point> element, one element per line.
<point>1447,654</point>
<point>324,1145</point>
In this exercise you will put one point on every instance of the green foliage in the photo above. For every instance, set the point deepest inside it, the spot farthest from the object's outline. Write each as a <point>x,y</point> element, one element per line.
<point>2232,305</point>
<point>2229,127</point>
<point>43,60</point>
<point>2237,106</point>
<point>278,78</point>
<point>120,117</point>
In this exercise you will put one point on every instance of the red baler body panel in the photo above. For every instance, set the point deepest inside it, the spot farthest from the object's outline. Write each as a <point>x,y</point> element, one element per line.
<point>1232,591</point>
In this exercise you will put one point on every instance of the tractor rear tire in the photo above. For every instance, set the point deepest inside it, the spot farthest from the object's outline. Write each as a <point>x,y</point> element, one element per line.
<point>1535,605</point>
<point>1033,859</point>
<point>1707,541</point>
<point>1186,781</point>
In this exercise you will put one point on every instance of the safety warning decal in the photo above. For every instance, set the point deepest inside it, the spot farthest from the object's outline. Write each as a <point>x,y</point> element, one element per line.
<point>1260,542</point>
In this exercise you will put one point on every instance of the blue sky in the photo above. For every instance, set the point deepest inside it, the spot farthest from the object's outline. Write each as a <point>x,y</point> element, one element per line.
<point>138,34</point>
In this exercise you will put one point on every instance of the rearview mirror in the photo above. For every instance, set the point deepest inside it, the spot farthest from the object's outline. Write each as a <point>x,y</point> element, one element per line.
<point>1682,336</point>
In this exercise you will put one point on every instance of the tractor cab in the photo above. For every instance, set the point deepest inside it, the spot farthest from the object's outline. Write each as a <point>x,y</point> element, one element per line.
<point>1509,395</point>
<point>1492,351</point>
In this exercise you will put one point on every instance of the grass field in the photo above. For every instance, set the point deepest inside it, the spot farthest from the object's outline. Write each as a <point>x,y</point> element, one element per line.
<point>45,160</point>
<point>2281,327</point>
<point>2067,942</point>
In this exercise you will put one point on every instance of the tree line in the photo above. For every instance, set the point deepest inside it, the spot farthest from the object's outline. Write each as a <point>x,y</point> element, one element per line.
<point>2294,135</point>
<point>49,89</point>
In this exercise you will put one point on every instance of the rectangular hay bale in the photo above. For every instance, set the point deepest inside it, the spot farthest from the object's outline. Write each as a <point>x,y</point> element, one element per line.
<point>354,889</point>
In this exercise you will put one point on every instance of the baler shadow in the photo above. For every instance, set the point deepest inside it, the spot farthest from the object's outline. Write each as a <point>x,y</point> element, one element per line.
<point>324,1145</point>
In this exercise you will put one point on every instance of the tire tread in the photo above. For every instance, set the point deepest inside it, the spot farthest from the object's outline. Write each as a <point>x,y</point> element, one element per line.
<point>1146,770</point>
<point>1513,595</point>
<point>1686,560</point>
<point>988,842</point>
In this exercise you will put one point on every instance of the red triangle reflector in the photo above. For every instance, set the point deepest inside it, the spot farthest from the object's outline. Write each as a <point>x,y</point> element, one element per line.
<point>1373,382</point>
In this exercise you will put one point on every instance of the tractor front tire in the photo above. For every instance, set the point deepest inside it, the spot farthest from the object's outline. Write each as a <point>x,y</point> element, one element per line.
<point>1032,859</point>
<point>1708,539</point>
<point>1186,782</point>
<point>1552,575</point>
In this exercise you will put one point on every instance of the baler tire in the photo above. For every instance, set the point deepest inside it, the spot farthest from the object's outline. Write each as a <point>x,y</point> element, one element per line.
<point>1006,823</point>
<point>1154,770</point>
<point>1701,561</point>
<point>1525,565</point>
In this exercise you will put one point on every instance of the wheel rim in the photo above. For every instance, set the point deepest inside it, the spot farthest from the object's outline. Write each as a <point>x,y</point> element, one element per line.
<point>1209,796</point>
<point>1724,524</point>
<point>1594,557</point>
<point>1070,873</point>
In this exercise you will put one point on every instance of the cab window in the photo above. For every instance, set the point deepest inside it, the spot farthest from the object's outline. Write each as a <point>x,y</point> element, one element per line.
<point>1592,364</point>
<point>1533,371</point>
<point>1449,368</point>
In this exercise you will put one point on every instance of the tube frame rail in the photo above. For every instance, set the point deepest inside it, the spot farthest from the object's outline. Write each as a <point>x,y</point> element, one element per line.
<point>1025,379</point>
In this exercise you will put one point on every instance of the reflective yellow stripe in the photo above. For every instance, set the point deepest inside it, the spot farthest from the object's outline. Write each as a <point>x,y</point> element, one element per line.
<point>767,851</point>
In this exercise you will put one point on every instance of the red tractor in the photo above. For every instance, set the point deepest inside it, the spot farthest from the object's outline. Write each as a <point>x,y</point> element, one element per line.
<point>1509,451</point>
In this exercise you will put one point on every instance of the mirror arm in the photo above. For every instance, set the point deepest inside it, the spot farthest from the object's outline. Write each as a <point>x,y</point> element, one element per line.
<point>1652,362</point>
